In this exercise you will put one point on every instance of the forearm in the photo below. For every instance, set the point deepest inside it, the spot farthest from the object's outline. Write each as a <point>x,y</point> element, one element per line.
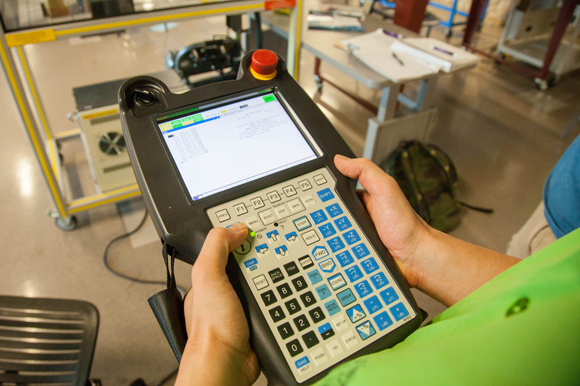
<point>211,364</point>
<point>449,269</point>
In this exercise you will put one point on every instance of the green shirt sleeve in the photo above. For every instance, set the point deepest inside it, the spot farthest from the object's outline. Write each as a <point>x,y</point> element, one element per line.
<point>521,328</point>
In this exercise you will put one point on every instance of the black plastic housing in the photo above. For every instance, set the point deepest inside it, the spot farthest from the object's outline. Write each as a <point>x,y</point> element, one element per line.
<point>183,224</point>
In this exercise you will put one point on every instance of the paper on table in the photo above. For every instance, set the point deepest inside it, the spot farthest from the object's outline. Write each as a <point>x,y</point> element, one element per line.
<point>371,40</point>
<point>374,50</point>
<point>382,61</point>
<point>446,57</point>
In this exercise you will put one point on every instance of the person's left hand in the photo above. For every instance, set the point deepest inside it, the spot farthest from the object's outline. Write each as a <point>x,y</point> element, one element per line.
<point>218,350</point>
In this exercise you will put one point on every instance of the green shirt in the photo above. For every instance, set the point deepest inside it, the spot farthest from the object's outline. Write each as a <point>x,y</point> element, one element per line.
<point>475,342</point>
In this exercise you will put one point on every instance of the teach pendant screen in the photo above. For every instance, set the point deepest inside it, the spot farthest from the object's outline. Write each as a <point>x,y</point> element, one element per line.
<point>227,146</point>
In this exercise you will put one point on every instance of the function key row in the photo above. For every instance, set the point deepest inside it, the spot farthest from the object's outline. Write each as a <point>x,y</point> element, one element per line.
<point>274,196</point>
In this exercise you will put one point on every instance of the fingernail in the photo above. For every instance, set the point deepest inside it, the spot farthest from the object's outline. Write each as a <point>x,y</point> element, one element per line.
<point>239,227</point>
<point>341,157</point>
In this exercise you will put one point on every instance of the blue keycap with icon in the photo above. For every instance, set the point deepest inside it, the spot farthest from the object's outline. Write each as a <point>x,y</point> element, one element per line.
<point>344,258</point>
<point>370,265</point>
<point>325,195</point>
<point>327,230</point>
<point>334,210</point>
<point>399,311</point>
<point>389,295</point>
<point>360,251</point>
<point>342,223</point>
<point>363,289</point>
<point>379,280</point>
<point>373,304</point>
<point>351,237</point>
<point>335,244</point>
<point>318,217</point>
<point>354,273</point>
<point>383,320</point>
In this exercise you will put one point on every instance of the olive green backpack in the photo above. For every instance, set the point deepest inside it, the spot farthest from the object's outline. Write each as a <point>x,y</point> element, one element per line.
<point>428,178</point>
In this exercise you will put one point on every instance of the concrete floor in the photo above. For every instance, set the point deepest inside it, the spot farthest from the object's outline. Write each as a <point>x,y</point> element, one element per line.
<point>502,134</point>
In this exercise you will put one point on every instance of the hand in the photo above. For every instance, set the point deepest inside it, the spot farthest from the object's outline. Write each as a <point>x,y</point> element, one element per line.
<point>218,350</point>
<point>445,268</point>
<point>400,228</point>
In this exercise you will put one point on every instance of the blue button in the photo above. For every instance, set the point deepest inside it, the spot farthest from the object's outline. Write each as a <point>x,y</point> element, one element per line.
<point>344,258</point>
<point>365,330</point>
<point>379,280</point>
<point>314,277</point>
<point>399,311</point>
<point>302,362</point>
<point>346,297</point>
<point>353,273</point>
<point>389,295</point>
<point>327,230</point>
<point>370,265</point>
<point>325,195</point>
<point>273,236</point>
<point>342,223</point>
<point>318,217</point>
<point>262,249</point>
<point>351,237</point>
<point>291,237</point>
<point>325,327</point>
<point>373,304</point>
<point>323,292</point>
<point>363,288</point>
<point>383,321</point>
<point>334,210</point>
<point>356,313</point>
<point>327,266</point>
<point>332,307</point>
<point>250,262</point>
<point>360,251</point>
<point>335,244</point>
<point>320,252</point>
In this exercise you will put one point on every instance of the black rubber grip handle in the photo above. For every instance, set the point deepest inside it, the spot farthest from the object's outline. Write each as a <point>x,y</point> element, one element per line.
<point>168,309</point>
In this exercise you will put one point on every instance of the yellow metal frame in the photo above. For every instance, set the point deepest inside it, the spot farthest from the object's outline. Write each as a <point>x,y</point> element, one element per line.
<point>11,53</point>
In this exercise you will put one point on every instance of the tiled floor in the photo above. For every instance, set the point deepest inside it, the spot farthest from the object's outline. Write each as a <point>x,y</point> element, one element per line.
<point>502,134</point>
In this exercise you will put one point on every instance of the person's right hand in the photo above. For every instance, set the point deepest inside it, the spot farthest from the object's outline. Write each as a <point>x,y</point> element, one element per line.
<point>401,230</point>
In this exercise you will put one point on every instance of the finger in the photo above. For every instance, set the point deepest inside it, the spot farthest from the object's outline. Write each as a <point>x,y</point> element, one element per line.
<point>218,244</point>
<point>364,196</point>
<point>370,176</point>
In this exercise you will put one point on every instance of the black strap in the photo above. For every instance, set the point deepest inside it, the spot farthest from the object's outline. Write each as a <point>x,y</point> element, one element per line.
<point>477,208</point>
<point>166,252</point>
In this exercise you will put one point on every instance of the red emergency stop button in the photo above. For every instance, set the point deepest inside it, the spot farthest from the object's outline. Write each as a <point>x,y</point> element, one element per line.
<point>264,64</point>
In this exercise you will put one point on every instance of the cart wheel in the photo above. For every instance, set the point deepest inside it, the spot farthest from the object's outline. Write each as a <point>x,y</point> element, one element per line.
<point>318,83</point>
<point>66,224</point>
<point>542,84</point>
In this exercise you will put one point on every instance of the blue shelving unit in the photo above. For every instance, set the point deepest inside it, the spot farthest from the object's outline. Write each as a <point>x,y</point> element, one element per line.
<point>450,22</point>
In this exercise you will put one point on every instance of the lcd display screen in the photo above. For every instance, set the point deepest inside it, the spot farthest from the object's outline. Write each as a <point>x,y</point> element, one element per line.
<point>218,148</point>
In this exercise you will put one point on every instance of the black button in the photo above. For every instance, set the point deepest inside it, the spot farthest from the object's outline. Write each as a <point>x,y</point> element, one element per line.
<point>268,298</point>
<point>294,348</point>
<point>310,339</point>
<point>293,306</point>
<point>276,275</point>
<point>301,322</point>
<point>327,334</point>
<point>317,315</point>
<point>285,330</point>
<point>308,299</point>
<point>305,262</point>
<point>299,283</point>
<point>277,314</point>
<point>291,268</point>
<point>284,290</point>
